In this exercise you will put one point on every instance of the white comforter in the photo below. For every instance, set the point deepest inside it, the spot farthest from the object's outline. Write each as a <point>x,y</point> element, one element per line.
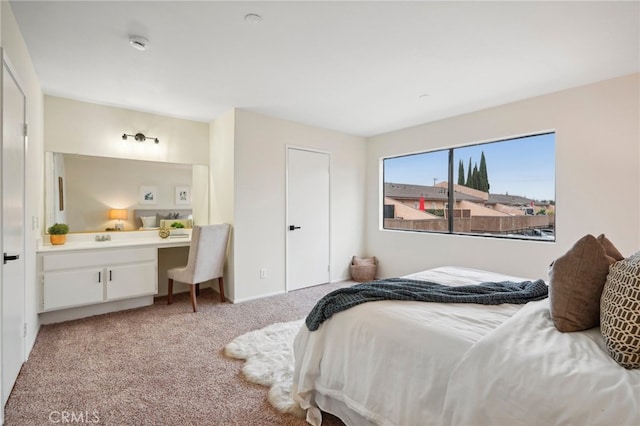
<point>414,363</point>
<point>389,362</point>
<point>528,373</point>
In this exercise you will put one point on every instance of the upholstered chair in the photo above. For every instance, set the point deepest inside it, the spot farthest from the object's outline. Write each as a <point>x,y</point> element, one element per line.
<point>207,254</point>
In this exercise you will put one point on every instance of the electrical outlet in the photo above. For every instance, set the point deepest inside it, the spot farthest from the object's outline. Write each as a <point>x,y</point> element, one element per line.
<point>263,273</point>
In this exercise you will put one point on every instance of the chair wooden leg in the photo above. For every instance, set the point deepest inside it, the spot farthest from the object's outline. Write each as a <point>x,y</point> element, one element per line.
<point>197,289</point>
<point>170,292</point>
<point>193,297</point>
<point>221,285</point>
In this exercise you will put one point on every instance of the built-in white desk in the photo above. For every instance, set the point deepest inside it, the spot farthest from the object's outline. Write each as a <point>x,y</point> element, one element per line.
<point>85,277</point>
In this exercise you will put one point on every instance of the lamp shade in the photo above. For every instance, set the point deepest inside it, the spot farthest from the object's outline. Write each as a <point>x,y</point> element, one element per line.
<point>117,214</point>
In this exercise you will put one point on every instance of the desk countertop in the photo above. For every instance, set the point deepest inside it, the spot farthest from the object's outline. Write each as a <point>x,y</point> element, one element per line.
<point>88,242</point>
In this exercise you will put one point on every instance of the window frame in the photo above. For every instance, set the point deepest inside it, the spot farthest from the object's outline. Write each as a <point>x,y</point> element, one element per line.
<point>450,201</point>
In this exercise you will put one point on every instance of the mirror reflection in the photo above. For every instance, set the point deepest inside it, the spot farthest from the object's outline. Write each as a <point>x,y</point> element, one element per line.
<point>97,194</point>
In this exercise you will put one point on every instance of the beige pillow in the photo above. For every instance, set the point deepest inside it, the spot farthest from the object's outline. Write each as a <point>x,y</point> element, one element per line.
<point>620,312</point>
<point>148,221</point>
<point>576,280</point>
<point>609,248</point>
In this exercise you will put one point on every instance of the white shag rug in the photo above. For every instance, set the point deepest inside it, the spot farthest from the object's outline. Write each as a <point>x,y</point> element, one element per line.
<point>269,361</point>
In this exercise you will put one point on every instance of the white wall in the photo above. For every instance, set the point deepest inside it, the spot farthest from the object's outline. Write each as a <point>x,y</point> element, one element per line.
<point>84,128</point>
<point>597,179</point>
<point>221,187</point>
<point>16,51</point>
<point>259,199</point>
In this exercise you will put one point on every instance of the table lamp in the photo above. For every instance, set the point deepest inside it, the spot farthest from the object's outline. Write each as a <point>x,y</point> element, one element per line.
<point>118,214</point>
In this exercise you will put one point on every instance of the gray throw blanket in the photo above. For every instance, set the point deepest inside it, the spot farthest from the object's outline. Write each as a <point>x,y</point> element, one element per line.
<point>424,291</point>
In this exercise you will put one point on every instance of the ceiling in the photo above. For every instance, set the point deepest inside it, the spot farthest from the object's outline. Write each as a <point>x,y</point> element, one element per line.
<point>361,68</point>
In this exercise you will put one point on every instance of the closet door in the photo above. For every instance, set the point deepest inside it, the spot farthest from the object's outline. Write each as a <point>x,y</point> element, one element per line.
<point>13,225</point>
<point>308,228</point>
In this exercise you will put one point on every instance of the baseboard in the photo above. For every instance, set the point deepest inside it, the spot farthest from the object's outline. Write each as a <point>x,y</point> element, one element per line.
<point>91,310</point>
<point>31,343</point>
<point>262,296</point>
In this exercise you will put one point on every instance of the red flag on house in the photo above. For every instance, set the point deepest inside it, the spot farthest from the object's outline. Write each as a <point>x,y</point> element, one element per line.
<point>422,203</point>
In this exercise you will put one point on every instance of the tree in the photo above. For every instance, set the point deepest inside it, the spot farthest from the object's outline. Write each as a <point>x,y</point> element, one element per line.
<point>461,173</point>
<point>475,177</point>
<point>484,177</point>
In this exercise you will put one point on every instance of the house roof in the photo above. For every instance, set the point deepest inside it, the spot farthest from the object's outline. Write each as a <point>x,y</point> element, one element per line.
<point>509,200</point>
<point>408,191</point>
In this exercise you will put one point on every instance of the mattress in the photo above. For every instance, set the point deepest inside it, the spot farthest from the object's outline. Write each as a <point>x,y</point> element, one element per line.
<point>389,362</point>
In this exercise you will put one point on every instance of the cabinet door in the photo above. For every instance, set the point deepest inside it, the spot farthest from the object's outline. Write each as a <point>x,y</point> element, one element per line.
<point>73,288</point>
<point>131,280</point>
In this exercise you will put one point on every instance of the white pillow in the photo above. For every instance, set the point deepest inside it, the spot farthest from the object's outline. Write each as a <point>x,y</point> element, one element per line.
<point>148,221</point>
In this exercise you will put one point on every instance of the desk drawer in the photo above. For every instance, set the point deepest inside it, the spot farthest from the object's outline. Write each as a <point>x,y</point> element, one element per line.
<point>89,258</point>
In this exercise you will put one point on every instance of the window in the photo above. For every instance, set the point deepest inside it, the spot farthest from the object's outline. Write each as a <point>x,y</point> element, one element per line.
<point>500,189</point>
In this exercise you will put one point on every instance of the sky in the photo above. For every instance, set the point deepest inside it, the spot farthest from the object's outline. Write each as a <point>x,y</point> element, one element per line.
<point>522,166</point>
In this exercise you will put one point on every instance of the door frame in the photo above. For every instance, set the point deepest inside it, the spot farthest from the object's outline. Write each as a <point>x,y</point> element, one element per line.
<point>286,209</point>
<point>6,62</point>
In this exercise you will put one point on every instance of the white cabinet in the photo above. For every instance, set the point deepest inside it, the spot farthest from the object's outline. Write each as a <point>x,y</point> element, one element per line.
<point>91,276</point>
<point>131,280</point>
<point>72,288</point>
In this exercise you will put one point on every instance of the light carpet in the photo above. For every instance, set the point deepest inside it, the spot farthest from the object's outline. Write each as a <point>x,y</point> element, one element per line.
<point>269,362</point>
<point>157,365</point>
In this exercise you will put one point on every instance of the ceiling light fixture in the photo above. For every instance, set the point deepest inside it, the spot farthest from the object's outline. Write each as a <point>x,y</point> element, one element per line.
<point>139,43</point>
<point>140,137</point>
<point>252,18</point>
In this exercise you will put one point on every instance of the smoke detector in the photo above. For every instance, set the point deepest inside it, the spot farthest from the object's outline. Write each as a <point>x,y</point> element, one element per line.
<point>252,18</point>
<point>139,43</point>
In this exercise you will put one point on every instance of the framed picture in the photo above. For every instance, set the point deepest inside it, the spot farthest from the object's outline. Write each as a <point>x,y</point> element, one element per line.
<point>183,195</point>
<point>148,195</point>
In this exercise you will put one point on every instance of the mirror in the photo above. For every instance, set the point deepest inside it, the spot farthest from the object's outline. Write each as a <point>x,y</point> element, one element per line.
<point>98,194</point>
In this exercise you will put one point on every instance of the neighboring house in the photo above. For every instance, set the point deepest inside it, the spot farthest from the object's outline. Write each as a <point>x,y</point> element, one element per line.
<point>515,204</point>
<point>472,208</point>
<point>481,203</point>
<point>405,211</point>
<point>433,197</point>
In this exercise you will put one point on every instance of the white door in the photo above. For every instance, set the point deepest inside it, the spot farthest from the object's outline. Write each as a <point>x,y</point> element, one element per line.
<point>308,218</point>
<point>13,280</point>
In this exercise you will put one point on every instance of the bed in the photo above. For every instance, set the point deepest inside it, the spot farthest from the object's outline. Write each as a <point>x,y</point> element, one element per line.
<point>150,219</point>
<point>416,363</point>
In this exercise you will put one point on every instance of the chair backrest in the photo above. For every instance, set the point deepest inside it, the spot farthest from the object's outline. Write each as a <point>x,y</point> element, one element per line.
<point>207,252</point>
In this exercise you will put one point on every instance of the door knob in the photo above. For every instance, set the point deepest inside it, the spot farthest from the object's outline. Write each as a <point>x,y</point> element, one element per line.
<point>8,258</point>
<point>293,227</point>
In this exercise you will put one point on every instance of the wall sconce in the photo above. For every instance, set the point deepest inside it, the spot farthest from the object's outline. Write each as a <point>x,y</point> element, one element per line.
<point>118,214</point>
<point>140,137</point>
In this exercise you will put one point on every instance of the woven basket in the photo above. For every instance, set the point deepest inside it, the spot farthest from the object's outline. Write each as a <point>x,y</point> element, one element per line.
<point>363,269</point>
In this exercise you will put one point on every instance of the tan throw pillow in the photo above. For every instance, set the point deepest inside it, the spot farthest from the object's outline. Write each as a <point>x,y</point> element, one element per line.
<point>575,285</point>
<point>609,248</point>
<point>620,312</point>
